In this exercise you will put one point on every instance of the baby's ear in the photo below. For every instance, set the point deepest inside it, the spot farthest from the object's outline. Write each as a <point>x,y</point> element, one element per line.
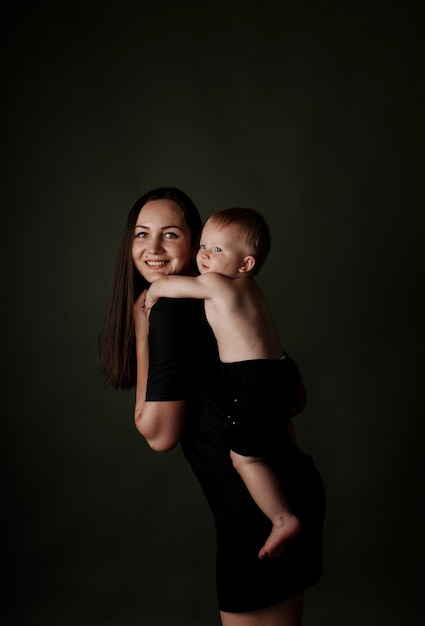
<point>247,264</point>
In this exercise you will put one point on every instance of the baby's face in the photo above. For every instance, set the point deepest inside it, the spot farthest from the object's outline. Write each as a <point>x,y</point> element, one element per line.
<point>222,250</point>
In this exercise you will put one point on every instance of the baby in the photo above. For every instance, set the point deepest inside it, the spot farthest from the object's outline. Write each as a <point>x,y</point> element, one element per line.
<point>234,245</point>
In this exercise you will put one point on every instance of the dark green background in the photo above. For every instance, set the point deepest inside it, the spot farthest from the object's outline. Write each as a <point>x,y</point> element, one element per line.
<point>311,112</point>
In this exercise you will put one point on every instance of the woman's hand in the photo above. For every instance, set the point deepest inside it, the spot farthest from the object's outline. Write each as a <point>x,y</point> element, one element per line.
<point>149,300</point>
<point>141,317</point>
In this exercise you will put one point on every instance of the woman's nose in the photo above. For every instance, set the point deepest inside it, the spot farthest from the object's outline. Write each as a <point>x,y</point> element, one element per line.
<point>155,244</point>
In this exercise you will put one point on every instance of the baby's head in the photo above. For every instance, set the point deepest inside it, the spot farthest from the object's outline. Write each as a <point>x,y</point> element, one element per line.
<point>253,229</point>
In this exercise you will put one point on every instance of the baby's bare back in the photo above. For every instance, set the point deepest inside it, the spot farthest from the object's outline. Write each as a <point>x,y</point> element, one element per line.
<point>242,323</point>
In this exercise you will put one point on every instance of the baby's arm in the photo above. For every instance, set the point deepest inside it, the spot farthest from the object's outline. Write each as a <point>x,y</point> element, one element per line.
<point>199,287</point>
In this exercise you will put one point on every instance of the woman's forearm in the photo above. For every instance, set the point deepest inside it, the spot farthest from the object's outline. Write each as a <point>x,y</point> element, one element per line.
<point>142,353</point>
<point>141,328</point>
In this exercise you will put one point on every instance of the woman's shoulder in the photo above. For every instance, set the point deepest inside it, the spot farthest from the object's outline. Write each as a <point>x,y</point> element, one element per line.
<point>166,308</point>
<point>178,326</point>
<point>177,316</point>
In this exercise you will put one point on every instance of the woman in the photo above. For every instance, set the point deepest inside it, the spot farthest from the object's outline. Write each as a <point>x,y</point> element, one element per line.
<point>172,360</point>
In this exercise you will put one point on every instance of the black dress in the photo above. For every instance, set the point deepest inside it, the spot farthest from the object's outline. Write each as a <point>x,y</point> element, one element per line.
<point>184,364</point>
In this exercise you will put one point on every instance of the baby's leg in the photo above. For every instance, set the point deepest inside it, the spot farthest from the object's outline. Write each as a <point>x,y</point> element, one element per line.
<point>265,489</point>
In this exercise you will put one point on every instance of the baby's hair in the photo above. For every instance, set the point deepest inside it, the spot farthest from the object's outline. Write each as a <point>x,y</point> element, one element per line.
<point>254,228</point>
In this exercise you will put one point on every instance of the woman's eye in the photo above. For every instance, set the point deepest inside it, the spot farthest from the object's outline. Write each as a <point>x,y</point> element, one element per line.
<point>140,235</point>
<point>170,235</point>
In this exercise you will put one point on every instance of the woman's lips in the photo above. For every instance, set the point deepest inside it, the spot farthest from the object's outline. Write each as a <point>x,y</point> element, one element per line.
<point>156,264</point>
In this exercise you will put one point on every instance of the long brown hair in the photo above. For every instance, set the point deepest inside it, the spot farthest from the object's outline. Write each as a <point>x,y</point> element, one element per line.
<point>117,343</point>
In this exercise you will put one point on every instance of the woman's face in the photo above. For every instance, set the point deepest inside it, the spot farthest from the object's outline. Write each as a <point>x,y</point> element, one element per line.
<point>162,241</point>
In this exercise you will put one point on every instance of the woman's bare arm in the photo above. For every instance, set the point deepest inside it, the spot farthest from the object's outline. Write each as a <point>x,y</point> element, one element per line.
<point>161,423</point>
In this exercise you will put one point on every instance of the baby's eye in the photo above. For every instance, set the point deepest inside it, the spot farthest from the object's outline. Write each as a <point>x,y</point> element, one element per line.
<point>217,249</point>
<point>202,246</point>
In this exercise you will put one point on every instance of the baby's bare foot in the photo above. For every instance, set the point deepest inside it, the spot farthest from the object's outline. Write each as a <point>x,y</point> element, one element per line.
<point>279,536</point>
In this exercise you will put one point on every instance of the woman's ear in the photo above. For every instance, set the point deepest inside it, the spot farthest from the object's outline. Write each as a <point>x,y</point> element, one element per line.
<point>247,264</point>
